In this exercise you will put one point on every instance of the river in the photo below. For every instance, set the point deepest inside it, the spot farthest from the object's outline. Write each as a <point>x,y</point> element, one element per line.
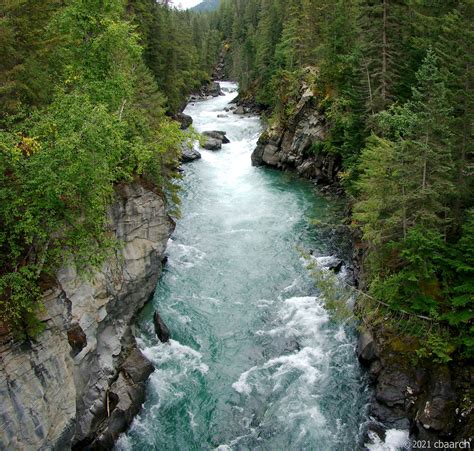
<point>255,361</point>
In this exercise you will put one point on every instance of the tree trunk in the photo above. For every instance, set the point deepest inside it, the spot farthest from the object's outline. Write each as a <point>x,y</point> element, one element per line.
<point>384,53</point>
<point>371,97</point>
<point>404,217</point>
<point>425,163</point>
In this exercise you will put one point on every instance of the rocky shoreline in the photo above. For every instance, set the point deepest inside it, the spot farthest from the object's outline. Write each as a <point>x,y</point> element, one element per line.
<point>81,382</point>
<point>432,401</point>
<point>293,147</point>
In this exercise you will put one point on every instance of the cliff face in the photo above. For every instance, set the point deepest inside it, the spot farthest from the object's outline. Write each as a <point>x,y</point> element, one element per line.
<point>291,147</point>
<point>82,380</point>
<point>433,401</point>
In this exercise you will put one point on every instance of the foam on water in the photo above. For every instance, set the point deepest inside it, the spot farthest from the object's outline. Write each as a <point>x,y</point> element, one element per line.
<point>186,256</point>
<point>176,352</point>
<point>395,440</point>
<point>293,379</point>
<point>255,361</point>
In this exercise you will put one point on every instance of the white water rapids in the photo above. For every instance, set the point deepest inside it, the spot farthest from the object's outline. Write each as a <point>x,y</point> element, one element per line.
<point>255,361</point>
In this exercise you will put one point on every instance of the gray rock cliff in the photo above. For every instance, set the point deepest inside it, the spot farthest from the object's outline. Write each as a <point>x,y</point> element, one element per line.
<point>292,147</point>
<point>431,400</point>
<point>74,385</point>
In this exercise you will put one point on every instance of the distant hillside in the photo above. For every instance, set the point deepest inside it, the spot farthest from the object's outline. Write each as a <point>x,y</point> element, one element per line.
<point>206,5</point>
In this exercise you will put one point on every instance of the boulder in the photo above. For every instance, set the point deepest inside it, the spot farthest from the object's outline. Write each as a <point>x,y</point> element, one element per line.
<point>373,427</point>
<point>336,265</point>
<point>366,348</point>
<point>211,89</point>
<point>189,154</point>
<point>184,120</point>
<point>161,329</point>
<point>267,151</point>
<point>215,89</point>
<point>137,367</point>
<point>392,386</point>
<point>217,134</point>
<point>391,417</point>
<point>437,410</point>
<point>212,144</point>
<point>239,110</point>
<point>123,401</point>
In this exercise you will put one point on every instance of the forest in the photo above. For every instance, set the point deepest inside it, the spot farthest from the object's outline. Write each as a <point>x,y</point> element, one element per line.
<point>88,89</point>
<point>395,80</point>
<point>82,109</point>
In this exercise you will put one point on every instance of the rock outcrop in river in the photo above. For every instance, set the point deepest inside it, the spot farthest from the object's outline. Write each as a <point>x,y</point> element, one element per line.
<point>211,89</point>
<point>82,380</point>
<point>189,153</point>
<point>213,140</point>
<point>292,147</point>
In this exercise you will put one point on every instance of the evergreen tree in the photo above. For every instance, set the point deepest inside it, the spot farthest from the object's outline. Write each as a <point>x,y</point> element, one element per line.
<point>382,50</point>
<point>59,163</point>
<point>25,66</point>
<point>455,49</point>
<point>406,186</point>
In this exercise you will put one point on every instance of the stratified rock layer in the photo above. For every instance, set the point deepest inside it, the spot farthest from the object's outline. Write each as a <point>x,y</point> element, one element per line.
<point>72,386</point>
<point>293,147</point>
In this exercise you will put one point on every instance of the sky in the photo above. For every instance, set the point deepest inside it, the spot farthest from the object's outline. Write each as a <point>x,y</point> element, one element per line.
<point>183,4</point>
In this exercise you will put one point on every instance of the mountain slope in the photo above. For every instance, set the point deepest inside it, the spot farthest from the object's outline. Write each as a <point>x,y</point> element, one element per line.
<point>206,5</point>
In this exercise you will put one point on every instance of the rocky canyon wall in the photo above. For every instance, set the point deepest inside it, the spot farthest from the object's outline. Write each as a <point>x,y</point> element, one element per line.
<point>80,383</point>
<point>292,147</point>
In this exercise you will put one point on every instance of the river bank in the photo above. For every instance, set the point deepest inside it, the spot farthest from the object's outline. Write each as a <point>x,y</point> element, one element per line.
<point>255,361</point>
<point>431,401</point>
<point>81,381</point>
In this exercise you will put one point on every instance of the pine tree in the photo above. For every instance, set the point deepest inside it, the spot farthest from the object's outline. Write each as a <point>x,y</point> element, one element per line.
<point>405,187</point>
<point>380,25</point>
<point>268,34</point>
<point>25,63</point>
<point>426,148</point>
<point>455,49</point>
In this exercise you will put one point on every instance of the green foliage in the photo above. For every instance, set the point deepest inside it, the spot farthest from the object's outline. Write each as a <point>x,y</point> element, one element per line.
<point>405,194</point>
<point>59,164</point>
<point>85,87</point>
<point>436,348</point>
<point>336,294</point>
<point>460,286</point>
<point>394,80</point>
<point>286,85</point>
<point>25,64</point>
<point>180,48</point>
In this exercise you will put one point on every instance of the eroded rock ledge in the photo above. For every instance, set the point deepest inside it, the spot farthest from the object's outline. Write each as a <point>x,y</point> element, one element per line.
<point>293,147</point>
<point>82,381</point>
<point>431,400</point>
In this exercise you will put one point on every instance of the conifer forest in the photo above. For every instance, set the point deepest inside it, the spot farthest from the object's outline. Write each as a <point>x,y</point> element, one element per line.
<point>92,94</point>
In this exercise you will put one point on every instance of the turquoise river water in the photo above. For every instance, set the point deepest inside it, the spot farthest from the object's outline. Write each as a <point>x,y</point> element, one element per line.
<point>255,361</point>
